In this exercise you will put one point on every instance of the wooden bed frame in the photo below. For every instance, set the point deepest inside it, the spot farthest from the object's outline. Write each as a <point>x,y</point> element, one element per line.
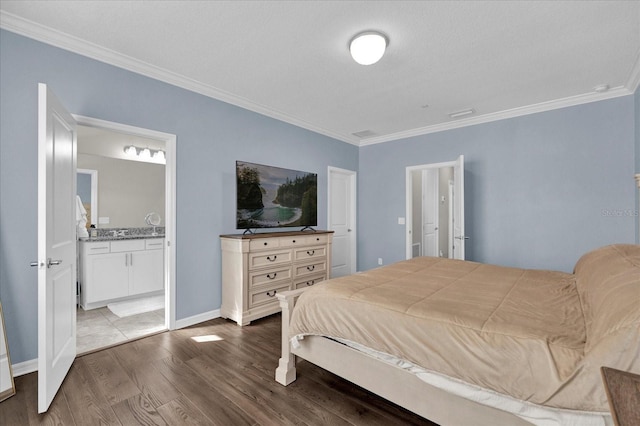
<point>390,382</point>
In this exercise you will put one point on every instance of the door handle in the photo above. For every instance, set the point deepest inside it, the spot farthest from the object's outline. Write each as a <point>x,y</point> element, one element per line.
<point>36,264</point>
<point>51,263</point>
<point>462,237</point>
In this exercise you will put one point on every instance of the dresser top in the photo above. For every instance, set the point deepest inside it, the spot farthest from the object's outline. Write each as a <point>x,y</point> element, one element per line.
<point>275,234</point>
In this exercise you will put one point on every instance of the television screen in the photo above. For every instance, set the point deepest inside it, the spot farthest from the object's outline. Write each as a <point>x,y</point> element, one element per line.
<point>273,197</point>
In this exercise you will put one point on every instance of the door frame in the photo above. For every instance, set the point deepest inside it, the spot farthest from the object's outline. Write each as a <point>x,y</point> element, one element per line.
<point>353,201</point>
<point>409,203</point>
<point>170,202</point>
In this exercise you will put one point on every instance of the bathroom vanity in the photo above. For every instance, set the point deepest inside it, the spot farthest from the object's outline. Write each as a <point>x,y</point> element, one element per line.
<point>115,269</point>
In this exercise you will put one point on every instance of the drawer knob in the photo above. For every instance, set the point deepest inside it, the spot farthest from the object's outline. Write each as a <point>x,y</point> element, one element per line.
<point>311,252</point>
<point>294,241</point>
<point>310,283</point>
<point>272,277</point>
<point>272,260</point>
<point>272,293</point>
<point>265,244</point>
<point>311,268</point>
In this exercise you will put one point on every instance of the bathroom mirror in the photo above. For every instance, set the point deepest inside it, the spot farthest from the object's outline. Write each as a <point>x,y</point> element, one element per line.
<point>7,386</point>
<point>129,187</point>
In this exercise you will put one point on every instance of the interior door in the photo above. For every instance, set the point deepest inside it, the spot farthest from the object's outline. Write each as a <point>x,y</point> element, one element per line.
<point>430,236</point>
<point>56,245</point>
<point>458,209</point>
<point>342,221</point>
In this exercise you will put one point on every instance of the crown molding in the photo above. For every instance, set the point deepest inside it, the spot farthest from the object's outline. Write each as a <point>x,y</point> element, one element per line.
<point>502,115</point>
<point>74,44</point>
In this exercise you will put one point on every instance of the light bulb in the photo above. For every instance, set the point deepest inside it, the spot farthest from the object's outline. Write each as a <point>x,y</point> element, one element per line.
<point>367,48</point>
<point>145,154</point>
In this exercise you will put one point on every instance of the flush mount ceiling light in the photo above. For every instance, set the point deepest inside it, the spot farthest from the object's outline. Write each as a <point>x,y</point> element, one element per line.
<point>368,47</point>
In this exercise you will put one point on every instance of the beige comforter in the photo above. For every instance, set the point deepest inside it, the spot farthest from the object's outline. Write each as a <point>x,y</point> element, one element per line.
<point>515,331</point>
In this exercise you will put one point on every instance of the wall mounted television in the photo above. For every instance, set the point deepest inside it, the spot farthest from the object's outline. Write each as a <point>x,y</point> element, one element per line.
<point>273,197</point>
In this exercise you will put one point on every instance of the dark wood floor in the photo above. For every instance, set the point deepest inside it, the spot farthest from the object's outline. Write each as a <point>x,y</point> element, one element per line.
<point>172,379</point>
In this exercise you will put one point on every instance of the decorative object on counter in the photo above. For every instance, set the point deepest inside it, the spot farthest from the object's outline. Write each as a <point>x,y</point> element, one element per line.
<point>152,219</point>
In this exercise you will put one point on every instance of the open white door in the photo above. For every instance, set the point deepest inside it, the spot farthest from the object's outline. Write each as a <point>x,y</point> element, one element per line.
<point>341,218</point>
<point>430,237</point>
<point>458,209</point>
<point>56,245</point>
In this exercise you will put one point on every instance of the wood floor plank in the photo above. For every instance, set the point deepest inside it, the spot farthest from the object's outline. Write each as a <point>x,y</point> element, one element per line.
<point>211,402</point>
<point>137,410</point>
<point>110,377</point>
<point>87,403</point>
<point>263,409</point>
<point>292,403</point>
<point>153,385</point>
<point>182,412</point>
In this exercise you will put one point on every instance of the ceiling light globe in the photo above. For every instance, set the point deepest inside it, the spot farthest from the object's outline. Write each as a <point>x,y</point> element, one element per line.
<point>368,48</point>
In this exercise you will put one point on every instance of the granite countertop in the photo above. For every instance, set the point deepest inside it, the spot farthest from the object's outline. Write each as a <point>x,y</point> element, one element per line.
<point>106,234</point>
<point>118,238</point>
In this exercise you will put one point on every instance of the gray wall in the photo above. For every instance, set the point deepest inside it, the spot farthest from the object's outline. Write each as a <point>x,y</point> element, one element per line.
<point>537,188</point>
<point>211,136</point>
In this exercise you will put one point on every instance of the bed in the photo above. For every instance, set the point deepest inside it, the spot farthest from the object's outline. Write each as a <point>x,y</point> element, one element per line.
<point>461,342</point>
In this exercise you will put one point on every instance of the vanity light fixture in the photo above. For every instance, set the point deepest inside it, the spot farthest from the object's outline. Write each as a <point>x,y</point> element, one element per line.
<point>131,150</point>
<point>146,154</point>
<point>368,47</point>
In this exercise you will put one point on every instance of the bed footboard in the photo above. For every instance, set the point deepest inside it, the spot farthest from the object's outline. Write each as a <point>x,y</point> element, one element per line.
<point>286,371</point>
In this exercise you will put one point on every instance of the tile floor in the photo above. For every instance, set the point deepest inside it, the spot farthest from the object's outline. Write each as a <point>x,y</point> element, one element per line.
<point>100,327</point>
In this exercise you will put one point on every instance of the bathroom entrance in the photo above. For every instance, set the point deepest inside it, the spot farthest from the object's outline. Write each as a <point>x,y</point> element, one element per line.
<point>125,179</point>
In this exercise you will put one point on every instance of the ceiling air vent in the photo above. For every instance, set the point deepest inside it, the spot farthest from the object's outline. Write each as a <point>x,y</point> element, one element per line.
<point>365,134</point>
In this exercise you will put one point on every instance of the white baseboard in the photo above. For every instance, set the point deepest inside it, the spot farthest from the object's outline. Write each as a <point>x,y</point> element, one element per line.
<point>196,319</point>
<point>30,366</point>
<point>25,367</point>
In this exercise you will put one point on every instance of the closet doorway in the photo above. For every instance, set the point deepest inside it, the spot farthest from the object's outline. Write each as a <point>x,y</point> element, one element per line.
<point>148,186</point>
<point>435,210</point>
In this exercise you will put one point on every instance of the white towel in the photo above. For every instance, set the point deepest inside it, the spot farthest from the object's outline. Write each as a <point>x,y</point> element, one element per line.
<point>81,213</point>
<point>81,218</point>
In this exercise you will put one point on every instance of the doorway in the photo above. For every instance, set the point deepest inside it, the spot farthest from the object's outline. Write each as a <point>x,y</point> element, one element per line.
<point>435,210</point>
<point>101,145</point>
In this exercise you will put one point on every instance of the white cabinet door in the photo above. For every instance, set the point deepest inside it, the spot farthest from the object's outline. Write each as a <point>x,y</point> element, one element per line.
<point>107,277</point>
<point>146,271</point>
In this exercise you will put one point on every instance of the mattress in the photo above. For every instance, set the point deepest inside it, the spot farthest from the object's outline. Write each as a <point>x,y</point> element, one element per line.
<point>514,332</point>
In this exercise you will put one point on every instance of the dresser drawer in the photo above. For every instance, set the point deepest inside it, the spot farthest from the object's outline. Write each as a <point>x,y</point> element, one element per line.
<point>271,275</point>
<point>303,240</point>
<point>308,281</point>
<point>310,268</point>
<point>267,295</point>
<point>260,259</point>
<point>264,244</point>
<point>310,253</point>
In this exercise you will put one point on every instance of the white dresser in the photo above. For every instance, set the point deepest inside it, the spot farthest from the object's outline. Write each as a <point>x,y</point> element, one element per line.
<point>257,266</point>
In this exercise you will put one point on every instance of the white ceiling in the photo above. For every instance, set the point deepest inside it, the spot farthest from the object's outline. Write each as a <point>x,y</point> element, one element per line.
<point>289,59</point>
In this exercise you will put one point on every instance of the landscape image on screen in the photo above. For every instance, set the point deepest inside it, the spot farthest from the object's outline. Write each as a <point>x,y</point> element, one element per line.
<point>272,197</point>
